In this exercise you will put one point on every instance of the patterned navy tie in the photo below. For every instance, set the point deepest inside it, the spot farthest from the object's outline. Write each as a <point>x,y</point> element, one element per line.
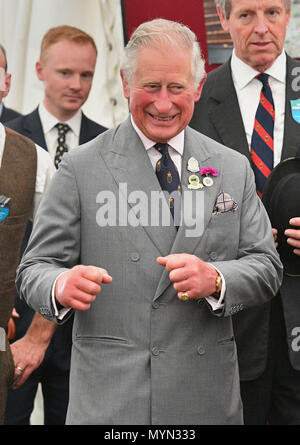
<point>169,179</point>
<point>262,143</point>
<point>61,142</point>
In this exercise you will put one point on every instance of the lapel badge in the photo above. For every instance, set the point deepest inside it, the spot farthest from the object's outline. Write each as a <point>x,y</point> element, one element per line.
<point>295,105</point>
<point>208,182</point>
<point>194,183</point>
<point>193,165</point>
<point>4,207</point>
<point>208,172</point>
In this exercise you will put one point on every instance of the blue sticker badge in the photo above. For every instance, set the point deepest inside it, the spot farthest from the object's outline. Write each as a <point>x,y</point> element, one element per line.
<point>295,104</point>
<point>4,212</point>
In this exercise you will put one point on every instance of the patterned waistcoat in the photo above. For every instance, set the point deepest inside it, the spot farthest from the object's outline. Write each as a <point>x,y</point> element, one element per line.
<point>17,181</point>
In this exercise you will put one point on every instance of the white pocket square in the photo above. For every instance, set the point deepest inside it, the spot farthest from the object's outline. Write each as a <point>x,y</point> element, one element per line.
<point>224,204</point>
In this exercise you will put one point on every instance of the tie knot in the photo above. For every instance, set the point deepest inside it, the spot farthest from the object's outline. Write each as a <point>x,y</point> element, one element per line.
<point>62,128</point>
<point>264,78</point>
<point>162,148</point>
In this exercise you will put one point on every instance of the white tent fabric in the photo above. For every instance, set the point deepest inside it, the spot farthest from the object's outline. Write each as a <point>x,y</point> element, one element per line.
<point>22,26</point>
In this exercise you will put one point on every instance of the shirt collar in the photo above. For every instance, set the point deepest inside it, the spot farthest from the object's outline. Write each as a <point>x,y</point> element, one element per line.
<point>243,73</point>
<point>177,142</point>
<point>49,121</point>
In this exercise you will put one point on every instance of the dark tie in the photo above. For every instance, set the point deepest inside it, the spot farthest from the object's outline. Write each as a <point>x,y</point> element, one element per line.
<point>169,180</point>
<point>61,142</point>
<point>262,143</point>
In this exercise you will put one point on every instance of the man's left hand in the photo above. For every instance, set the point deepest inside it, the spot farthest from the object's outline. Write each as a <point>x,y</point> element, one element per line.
<point>294,235</point>
<point>190,274</point>
<point>28,354</point>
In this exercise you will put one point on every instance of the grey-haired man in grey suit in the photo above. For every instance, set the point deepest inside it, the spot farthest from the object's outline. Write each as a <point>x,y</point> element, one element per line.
<point>152,337</point>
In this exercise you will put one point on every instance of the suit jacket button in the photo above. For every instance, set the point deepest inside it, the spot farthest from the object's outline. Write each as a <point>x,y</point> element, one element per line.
<point>213,255</point>
<point>155,351</point>
<point>200,350</point>
<point>155,305</point>
<point>135,257</point>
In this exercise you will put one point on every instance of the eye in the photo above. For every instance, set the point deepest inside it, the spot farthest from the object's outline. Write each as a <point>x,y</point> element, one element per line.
<point>64,73</point>
<point>151,87</point>
<point>176,88</point>
<point>87,75</point>
<point>273,13</point>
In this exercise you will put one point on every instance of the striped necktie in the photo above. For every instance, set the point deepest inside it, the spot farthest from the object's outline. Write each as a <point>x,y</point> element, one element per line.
<point>262,143</point>
<point>168,177</point>
<point>62,147</point>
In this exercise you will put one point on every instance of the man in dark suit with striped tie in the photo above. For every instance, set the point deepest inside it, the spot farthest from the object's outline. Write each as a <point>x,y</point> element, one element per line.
<point>66,67</point>
<point>247,104</point>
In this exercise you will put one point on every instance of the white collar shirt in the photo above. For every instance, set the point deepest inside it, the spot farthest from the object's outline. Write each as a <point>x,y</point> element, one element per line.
<point>176,145</point>
<point>51,132</point>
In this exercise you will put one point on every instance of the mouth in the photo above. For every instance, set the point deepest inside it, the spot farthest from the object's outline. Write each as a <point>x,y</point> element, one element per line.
<point>162,119</point>
<point>73,97</point>
<point>261,44</point>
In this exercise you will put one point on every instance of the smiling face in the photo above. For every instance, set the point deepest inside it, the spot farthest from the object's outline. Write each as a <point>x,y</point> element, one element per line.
<point>67,71</point>
<point>257,29</point>
<point>162,92</point>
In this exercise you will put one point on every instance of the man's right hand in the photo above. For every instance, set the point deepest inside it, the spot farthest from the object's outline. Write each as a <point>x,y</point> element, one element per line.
<point>78,287</point>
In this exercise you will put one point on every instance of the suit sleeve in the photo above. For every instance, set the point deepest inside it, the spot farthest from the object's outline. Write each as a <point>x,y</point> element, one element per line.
<point>254,277</point>
<point>54,245</point>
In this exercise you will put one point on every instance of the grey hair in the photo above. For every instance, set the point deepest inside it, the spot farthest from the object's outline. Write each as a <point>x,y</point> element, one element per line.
<point>225,5</point>
<point>153,34</point>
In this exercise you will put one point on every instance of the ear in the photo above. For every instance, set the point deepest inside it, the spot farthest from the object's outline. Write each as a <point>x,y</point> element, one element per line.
<point>39,68</point>
<point>223,20</point>
<point>126,87</point>
<point>199,89</point>
<point>7,85</point>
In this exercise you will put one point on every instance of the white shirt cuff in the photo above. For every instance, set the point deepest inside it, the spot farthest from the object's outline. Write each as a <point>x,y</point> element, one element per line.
<point>214,303</point>
<point>60,314</point>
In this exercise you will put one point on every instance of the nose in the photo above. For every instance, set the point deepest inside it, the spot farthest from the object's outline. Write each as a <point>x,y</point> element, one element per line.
<point>261,27</point>
<point>163,103</point>
<point>75,82</point>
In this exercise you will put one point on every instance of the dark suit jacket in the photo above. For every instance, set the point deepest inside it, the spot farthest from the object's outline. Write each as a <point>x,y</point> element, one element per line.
<point>217,114</point>
<point>30,126</point>
<point>8,114</point>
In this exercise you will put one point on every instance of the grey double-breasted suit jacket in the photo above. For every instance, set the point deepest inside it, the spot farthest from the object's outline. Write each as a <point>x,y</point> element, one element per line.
<point>140,355</point>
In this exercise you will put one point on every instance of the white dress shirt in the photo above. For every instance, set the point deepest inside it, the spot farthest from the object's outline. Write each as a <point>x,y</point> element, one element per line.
<point>248,90</point>
<point>44,173</point>
<point>51,132</point>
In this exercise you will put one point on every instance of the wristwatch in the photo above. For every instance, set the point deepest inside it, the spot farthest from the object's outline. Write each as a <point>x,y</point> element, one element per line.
<point>218,283</point>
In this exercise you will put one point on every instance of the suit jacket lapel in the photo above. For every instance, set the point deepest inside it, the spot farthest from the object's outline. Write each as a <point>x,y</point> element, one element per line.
<point>84,130</point>
<point>130,165</point>
<point>224,111</point>
<point>291,138</point>
<point>33,129</point>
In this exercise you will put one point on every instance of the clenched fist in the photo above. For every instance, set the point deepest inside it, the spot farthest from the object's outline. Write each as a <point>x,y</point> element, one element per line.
<point>78,287</point>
